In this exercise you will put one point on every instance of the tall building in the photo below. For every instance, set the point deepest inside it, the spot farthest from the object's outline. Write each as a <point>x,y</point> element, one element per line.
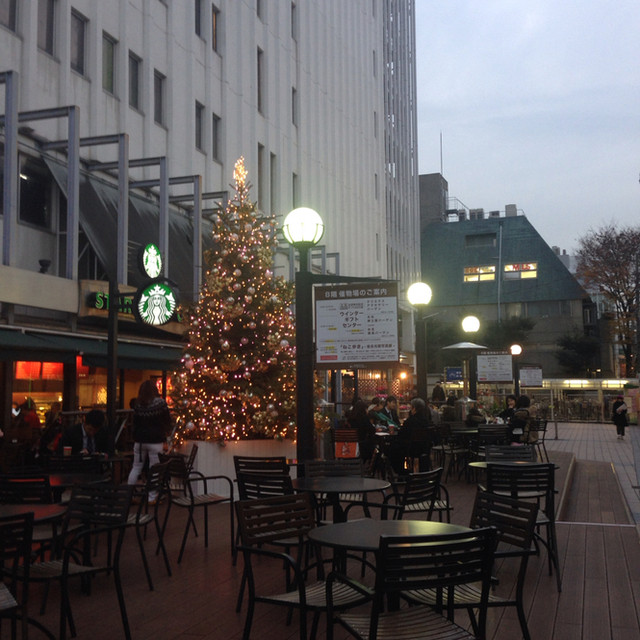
<point>319,98</point>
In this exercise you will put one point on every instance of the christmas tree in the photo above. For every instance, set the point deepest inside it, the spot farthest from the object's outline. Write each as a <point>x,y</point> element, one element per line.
<point>238,371</point>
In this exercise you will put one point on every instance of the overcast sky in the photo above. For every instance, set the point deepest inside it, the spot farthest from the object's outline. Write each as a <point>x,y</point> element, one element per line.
<point>538,103</point>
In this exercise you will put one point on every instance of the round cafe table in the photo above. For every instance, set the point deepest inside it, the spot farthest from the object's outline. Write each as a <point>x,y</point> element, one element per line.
<point>333,486</point>
<point>364,534</point>
<point>42,513</point>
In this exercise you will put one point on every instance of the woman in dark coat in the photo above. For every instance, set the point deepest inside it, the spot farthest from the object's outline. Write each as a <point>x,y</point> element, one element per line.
<point>151,425</point>
<point>358,418</point>
<point>619,416</point>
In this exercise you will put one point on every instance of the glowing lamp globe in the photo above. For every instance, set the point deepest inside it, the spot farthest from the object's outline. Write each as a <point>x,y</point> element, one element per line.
<point>515,349</point>
<point>419,293</point>
<point>303,227</point>
<point>470,324</point>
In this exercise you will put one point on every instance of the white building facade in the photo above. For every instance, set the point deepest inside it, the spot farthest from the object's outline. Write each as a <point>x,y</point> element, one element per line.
<point>318,96</point>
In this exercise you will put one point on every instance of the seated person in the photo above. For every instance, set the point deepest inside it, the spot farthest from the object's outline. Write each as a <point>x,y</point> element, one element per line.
<point>414,439</point>
<point>449,410</point>
<point>87,437</point>
<point>390,412</point>
<point>358,418</point>
<point>474,417</point>
<point>507,413</point>
<point>520,424</point>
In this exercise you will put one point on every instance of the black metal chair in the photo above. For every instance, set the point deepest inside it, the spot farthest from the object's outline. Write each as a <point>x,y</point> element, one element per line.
<point>96,509</point>
<point>540,427</point>
<point>260,464</point>
<point>534,482</point>
<point>269,521</point>
<point>515,522</point>
<point>148,511</point>
<point>191,489</point>
<point>509,453</point>
<point>15,555</point>
<point>421,493</point>
<point>414,563</point>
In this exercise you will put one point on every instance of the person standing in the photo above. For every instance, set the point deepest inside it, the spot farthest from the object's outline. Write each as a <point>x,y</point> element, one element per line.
<point>619,416</point>
<point>151,425</point>
<point>437,395</point>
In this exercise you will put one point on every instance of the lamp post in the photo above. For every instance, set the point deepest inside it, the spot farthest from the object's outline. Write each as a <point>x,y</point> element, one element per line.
<point>516,350</point>
<point>419,295</point>
<point>471,324</point>
<point>303,228</point>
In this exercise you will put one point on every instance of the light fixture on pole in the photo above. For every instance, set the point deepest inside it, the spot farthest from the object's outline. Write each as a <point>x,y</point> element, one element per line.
<point>419,295</point>
<point>471,324</point>
<point>516,350</point>
<point>303,228</point>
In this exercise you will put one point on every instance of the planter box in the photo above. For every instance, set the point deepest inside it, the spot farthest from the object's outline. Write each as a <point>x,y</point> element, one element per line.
<point>216,460</point>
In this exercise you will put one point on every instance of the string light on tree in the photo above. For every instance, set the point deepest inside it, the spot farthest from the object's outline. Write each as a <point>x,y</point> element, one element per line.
<point>238,371</point>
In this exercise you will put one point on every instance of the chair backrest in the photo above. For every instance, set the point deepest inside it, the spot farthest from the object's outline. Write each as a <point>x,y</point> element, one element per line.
<point>18,489</point>
<point>276,518</point>
<point>493,434</point>
<point>507,453</point>
<point>15,551</point>
<point>406,563</point>
<point>421,489</point>
<point>157,478</point>
<point>254,486</point>
<point>345,435</point>
<point>518,480</point>
<point>261,465</point>
<point>326,468</point>
<point>514,520</point>
<point>99,505</point>
<point>191,458</point>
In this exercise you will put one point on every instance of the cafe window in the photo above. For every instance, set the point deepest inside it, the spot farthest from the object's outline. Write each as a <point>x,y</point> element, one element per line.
<point>480,274</point>
<point>520,270</point>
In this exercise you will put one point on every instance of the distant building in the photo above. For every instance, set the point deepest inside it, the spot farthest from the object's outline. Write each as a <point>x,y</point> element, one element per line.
<point>497,266</point>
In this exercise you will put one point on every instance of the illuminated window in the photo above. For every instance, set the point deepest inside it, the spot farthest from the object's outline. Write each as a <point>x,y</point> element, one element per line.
<point>479,274</point>
<point>520,270</point>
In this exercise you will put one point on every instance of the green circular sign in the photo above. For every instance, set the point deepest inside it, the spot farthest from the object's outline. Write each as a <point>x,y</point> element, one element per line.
<point>152,261</point>
<point>156,304</point>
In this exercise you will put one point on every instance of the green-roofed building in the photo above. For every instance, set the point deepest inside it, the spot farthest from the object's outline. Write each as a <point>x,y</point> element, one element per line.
<point>497,267</point>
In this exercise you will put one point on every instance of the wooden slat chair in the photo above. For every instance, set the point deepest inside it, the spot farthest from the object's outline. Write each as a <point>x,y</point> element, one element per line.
<point>269,521</point>
<point>191,489</point>
<point>420,493</point>
<point>96,509</point>
<point>515,523</point>
<point>345,443</point>
<point>415,563</point>
<point>533,482</point>
<point>509,453</point>
<point>261,465</point>
<point>148,512</point>
<point>15,556</point>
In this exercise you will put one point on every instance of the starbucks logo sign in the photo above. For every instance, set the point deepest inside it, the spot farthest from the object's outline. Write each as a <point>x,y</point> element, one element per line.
<point>156,304</point>
<point>152,261</point>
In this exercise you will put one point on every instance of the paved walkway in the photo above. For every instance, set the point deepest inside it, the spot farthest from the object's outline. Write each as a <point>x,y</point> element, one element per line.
<point>589,441</point>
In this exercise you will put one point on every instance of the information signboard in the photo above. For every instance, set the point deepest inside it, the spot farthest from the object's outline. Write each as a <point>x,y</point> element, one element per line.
<point>356,325</point>
<point>530,376</point>
<point>494,366</point>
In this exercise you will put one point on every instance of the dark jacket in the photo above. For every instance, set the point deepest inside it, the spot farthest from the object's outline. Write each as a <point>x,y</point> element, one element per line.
<point>73,438</point>
<point>151,422</point>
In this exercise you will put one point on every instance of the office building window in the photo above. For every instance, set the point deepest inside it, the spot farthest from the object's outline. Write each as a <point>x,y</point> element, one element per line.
<point>158,96</point>
<point>521,271</point>
<point>261,177</point>
<point>260,9</point>
<point>260,73</point>
<point>108,63</point>
<point>199,126</point>
<point>8,14</point>
<point>273,184</point>
<point>215,19</point>
<point>198,16</point>
<point>215,137</point>
<point>77,42</point>
<point>480,274</point>
<point>294,23</point>
<point>295,190</point>
<point>134,80</point>
<point>46,13</point>
<point>294,106</point>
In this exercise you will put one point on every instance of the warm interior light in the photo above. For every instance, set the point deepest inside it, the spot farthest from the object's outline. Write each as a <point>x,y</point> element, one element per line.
<point>419,293</point>
<point>303,226</point>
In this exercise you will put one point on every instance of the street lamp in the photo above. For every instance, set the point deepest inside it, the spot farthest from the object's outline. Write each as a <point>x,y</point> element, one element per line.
<point>419,295</point>
<point>471,324</point>
<point>303,228</point>
<point>516,350</point>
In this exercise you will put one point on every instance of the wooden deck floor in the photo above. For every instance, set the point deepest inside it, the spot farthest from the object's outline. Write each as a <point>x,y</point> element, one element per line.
<point>599,557</point>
